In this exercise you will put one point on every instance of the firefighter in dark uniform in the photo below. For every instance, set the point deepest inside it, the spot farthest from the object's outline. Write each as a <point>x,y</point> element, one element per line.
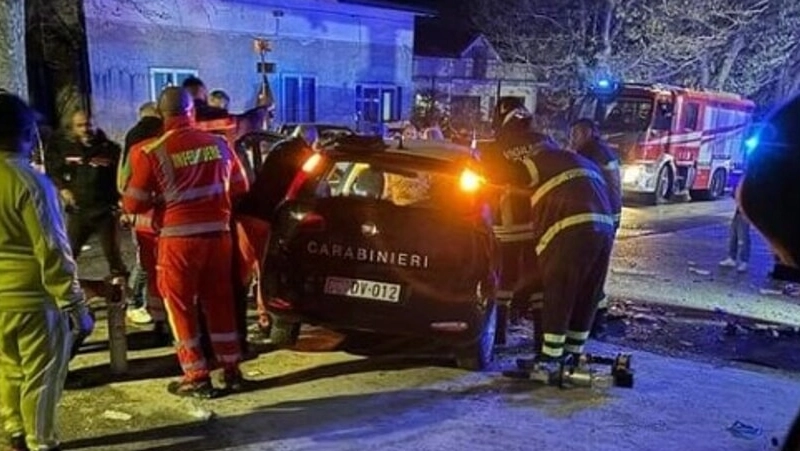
<point>513,228</point>
<point>585,139</point>
<point>573,232</point>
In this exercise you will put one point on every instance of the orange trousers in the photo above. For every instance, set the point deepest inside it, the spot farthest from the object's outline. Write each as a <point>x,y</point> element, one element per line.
<point>146,243</point>
<point>252,238</point>
<point>196,271</point>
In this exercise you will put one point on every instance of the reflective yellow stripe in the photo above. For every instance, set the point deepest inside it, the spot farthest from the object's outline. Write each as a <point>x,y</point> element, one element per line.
<point>555,339</point>
<point>158,142</point>
<point>194,229</point>
<point>568,222</point>
<point>533,171</point>
<point>577,336</point>
<point>559,180</point>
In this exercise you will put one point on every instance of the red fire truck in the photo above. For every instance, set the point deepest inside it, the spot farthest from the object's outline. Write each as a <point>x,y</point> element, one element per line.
<point>671,140</point>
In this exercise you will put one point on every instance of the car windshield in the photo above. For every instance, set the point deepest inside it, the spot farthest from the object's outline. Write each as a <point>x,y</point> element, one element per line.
<point>626,115</point>
<point>410,187</point>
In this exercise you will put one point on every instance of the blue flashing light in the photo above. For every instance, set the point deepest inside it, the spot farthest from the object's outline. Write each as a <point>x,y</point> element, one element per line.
<point>604,84</point>
<point>751,143</point>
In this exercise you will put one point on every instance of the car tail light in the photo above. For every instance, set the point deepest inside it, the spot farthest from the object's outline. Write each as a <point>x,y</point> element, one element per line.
<point>302,176</point>
<point>311,222</point>
<point>279,304</point>
<point>312,163</point>
<point>470,181</point>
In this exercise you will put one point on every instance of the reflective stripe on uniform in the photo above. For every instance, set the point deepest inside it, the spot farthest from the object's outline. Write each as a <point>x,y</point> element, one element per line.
<point>533,171</point>
<point>195,193</point>
<point>571,221</point>
<point>514,233</point>
<point>194,229</point>
<point>138,194</point>
<point>560,179</point>
<point>536,301</point>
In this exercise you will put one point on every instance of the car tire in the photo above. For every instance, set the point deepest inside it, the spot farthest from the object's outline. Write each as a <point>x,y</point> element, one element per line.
<point>477,356</point>
<point>283,333</point>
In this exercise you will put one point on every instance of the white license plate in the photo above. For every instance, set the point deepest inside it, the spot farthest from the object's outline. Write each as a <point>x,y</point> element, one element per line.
<point>363,289</point>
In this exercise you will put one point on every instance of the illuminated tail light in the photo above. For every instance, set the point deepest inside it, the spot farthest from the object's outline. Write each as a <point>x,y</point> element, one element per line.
<point>311,164</point>
<point>312,222</point>
<point>308,168</point>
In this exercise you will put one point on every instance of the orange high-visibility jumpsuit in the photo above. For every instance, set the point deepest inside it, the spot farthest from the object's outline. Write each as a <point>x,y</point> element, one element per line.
<point>192,177</point>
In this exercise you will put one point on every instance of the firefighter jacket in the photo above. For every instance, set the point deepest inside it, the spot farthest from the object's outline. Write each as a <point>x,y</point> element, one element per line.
<point>36,264</point>
<point>89,171</point>
<point>512,215</point>
<point>569,193</point>
<point>146,129</point>
<point>189,177</point>
<point>608,161</point>
<point>274,178</point>
<point>219,122</point>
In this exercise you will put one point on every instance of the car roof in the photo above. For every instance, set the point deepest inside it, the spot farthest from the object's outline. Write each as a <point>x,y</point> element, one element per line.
<point>429,155</point>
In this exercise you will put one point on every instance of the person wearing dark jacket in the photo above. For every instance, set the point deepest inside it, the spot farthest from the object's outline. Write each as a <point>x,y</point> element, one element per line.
<point>82,162</point>
<point>585,139</point>
<point>573,231</point>
<point>769,198</point>
<point>255,211</point>
<point>145,305</point>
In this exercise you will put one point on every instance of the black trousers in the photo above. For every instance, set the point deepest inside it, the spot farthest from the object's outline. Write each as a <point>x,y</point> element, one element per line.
<point>573,269</point>
<point>82,225</point>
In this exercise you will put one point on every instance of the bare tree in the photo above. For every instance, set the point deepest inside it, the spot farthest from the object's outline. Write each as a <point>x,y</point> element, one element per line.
<point>13,75</point>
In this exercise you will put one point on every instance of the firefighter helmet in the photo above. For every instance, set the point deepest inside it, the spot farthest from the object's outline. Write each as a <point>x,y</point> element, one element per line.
<point>511,114</point>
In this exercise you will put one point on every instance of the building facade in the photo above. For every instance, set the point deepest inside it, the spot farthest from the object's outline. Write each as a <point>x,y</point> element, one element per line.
<point>463,72</point>
<point>338,62</point>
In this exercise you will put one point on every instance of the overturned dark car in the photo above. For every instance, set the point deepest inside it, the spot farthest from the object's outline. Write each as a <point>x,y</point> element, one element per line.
<point>389,240</point>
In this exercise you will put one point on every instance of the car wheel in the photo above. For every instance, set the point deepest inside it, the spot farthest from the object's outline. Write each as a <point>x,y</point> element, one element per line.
<point>283,333</point>
<point>478,356</point>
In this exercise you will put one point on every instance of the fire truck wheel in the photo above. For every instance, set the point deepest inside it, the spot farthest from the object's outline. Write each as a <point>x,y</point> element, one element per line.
<point>716,188</point>
<point>664,186</point>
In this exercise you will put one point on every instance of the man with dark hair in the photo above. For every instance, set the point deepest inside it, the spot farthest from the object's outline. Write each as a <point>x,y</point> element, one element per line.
<point>83,163</point>
<point>146,303</point>
<point>40,297</point>
<point>585,139</point>
<point>203,111</point>
<point>219,99</point>
<point>769,198</point>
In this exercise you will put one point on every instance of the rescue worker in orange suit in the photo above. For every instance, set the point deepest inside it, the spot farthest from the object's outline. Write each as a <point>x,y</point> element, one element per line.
<point>513,228</point>
<point>191,178</point>
<point>150,125</point>
<point>586,140</point>
<point>256,210</point>
<point>769,197</point>
<point>573,227</point>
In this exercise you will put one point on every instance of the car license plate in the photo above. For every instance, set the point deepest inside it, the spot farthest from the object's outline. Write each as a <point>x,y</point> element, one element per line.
<point>363,289</point>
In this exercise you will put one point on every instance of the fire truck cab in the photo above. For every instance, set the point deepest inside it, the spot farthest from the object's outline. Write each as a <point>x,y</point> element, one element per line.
<point>671,140</point>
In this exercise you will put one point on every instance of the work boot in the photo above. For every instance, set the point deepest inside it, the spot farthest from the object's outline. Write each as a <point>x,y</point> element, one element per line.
<point>234,381</point>
<point>541,368</point>
<point>17,443</point>
<point>201,389</point>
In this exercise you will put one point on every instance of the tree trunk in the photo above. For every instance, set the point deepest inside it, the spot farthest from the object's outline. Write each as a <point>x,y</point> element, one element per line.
<point>13,74</point>
<point>705,72</point>
<point>727,64</point>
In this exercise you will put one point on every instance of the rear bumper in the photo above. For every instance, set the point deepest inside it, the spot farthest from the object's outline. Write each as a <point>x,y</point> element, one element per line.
<point>456,319</point>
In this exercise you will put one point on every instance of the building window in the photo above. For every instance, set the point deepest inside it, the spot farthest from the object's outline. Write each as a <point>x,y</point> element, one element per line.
<point>299,99</point>
<point>376,104</point>
<point>163,77</point>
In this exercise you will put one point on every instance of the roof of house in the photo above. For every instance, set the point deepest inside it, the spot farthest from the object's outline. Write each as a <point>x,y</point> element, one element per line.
<point>414,6</point>
<point>439,38</point>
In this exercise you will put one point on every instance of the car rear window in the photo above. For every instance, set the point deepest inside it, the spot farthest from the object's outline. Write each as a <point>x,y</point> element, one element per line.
<point>400,186</point>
